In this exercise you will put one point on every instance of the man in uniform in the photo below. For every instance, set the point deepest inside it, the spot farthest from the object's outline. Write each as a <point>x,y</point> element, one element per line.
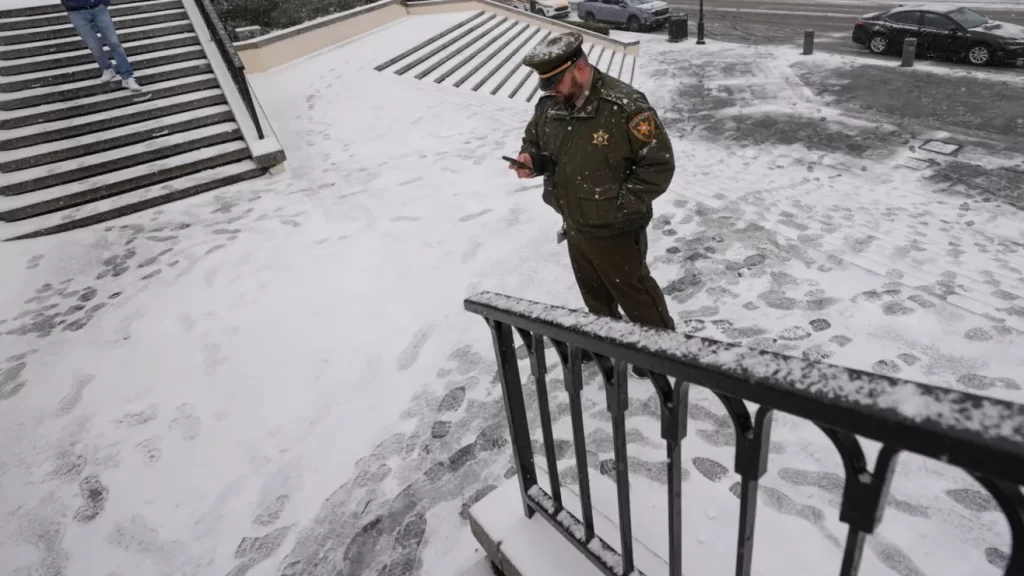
<point>604,157</point>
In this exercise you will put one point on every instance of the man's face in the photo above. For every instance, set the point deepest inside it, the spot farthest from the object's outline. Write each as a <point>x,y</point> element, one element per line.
<point>569,87</point>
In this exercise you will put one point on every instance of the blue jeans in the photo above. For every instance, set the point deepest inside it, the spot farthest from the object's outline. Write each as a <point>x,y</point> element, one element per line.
<point>95,21</point>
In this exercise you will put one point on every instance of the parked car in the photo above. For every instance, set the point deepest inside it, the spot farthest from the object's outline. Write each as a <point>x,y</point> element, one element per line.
<point>549,8</point>
<point>635,15</point>
<point>946,31</point>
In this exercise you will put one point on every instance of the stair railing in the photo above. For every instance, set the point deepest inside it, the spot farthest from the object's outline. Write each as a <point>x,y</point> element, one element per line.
<point>234,63</point>
<point>983,436</point>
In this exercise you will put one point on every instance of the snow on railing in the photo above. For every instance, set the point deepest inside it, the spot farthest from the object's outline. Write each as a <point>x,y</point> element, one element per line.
<point>983,436</point>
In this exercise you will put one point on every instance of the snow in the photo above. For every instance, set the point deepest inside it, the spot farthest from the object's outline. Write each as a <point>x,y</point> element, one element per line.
<point>140,60</point>
<point>120,21</point>
<point>141,75</point>
<point>301,376</point>
<point>1004,30</point>
<point>102,158</point>
<point>532,546</point>
<point>557,45</point>
<point>92,184</point>
<point>72,143</point>
<point>127,45</point>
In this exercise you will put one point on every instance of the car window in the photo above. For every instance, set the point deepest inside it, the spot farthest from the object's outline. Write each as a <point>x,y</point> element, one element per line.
<point>904,17</point>
<point>968,18</point>
<point>932,20</point>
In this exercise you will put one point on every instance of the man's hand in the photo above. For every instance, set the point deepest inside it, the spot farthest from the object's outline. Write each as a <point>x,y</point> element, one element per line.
<point>523,172</point>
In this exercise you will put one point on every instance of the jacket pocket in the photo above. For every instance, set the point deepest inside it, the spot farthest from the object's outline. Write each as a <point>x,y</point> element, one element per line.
<point>548,195</point>
<point>599,205</point>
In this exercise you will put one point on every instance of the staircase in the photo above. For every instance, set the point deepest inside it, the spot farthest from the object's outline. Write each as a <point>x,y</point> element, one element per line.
<point>484,53</point>
<point>75,152</point>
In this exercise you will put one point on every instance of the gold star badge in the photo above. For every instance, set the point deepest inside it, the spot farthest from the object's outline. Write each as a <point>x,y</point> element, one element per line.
<point>600,138</point>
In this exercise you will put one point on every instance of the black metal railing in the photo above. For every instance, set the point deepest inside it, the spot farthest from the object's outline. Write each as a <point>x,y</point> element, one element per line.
<point>983,436</point>
<point>231,59</point>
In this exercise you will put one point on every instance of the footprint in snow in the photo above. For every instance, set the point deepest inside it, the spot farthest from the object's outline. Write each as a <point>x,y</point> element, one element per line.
<point>187,421</point>
<point>408,356</point>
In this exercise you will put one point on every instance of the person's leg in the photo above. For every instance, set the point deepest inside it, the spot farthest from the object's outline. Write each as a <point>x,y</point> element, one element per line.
<point>621,261</point>
<point>105,25</point>
<point>596,296</point>
<point>83,23</point>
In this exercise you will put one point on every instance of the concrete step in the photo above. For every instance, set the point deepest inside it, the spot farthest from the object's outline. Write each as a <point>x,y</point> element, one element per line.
<point>102,102</point>
<point>91,123</point>
<point>439,37</point>
<point>112,184</point>
<point>43,21</point>
<point>51,62</point>
<point>131,202</point>
<point>90,71</point>
<point>446,44</point>
<point>60,45</point>
<point>86,88</point>
<point>123,24</point>
<point>56,8</point>
<point>32,179</point>
<point>484,53</point>
<point>61,150</point>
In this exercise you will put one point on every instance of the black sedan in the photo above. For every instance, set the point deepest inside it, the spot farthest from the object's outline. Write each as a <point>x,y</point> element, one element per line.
<point>942,30</point>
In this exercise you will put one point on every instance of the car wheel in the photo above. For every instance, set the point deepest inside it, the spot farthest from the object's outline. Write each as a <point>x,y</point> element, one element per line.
<point>589,17</point>
<point>979,55</point>
<point>633,23</point>
<point>878,44</point>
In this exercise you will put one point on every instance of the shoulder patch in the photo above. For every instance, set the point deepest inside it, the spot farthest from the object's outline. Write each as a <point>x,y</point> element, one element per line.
<point>643,126</point>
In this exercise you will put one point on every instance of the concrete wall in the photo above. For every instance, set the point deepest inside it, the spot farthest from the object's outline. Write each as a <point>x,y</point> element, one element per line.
<point>266,52</point>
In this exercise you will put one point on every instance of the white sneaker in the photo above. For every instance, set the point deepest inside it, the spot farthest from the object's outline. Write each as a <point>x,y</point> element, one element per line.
<point>131,84</point>
<point>108,75</point>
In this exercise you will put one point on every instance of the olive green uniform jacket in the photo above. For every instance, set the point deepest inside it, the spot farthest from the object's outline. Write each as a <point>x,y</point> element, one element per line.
<point>613,157</point>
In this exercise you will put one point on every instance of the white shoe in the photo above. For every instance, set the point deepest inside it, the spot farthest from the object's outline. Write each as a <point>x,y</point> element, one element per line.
<point>131,84</point>
<point>108,75</point>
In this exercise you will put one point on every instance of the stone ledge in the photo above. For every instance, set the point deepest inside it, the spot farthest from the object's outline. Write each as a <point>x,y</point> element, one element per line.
<point>278,36</point>
<point>519,546</point>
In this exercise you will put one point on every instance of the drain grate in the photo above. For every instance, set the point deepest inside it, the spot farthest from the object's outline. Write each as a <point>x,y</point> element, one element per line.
<point>940,147</point>
<point>917,164</point>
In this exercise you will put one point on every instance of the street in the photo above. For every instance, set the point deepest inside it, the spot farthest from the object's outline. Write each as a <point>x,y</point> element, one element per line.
<point>769,22</point>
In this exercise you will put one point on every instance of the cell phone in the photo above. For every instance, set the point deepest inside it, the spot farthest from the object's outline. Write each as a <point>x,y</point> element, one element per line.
<point>517,163</point>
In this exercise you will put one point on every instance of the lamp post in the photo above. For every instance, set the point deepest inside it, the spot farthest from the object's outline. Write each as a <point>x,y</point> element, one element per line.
<point>700,24</point>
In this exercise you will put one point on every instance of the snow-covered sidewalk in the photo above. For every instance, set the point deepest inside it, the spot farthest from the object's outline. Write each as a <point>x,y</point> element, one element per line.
<point>279,378</point>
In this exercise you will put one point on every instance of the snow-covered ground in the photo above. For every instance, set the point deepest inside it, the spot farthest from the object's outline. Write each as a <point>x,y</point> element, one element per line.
<point>279,377</point>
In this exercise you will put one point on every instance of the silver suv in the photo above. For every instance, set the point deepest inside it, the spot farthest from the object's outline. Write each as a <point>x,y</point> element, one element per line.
<point>636,15</point>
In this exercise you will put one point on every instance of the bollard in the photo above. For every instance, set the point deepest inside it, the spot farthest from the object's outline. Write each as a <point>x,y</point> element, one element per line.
<point>909,52</point>
<point>808,42</point>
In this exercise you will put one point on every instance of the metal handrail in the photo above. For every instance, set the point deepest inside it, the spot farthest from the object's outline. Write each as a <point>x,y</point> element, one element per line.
<point>231,58</point>
<point>983,436</point>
